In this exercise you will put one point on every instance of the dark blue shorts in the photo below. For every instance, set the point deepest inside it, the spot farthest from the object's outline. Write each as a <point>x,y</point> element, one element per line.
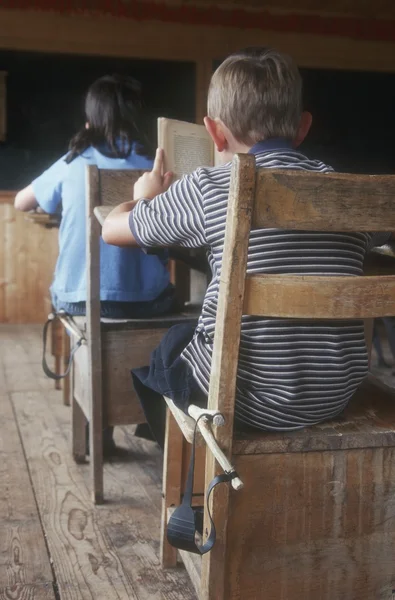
<point>167,375</point>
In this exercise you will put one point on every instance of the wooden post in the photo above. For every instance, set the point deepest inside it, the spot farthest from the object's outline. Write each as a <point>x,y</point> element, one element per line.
<point>94,334</point>
<point>66,358</point>
<point>225,359</point>
<point>172,474</point>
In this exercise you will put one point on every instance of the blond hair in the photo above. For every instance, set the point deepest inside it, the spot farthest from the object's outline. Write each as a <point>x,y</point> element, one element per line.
<point>257,94</point>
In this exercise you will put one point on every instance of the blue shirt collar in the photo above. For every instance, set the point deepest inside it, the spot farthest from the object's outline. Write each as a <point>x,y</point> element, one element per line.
<point>271,145</point>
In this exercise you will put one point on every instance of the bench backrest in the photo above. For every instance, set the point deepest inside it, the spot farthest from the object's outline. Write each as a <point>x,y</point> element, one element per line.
<point>292,200</point>
<point>110,187</point>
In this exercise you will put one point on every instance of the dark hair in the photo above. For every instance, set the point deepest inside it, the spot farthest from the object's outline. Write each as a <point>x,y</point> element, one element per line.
<point>113,110</point>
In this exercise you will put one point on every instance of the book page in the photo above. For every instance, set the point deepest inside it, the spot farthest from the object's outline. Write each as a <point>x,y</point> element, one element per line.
<point>187,146</point>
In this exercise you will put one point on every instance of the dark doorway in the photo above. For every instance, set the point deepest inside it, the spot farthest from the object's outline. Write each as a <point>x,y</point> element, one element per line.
<point>46,99</point>
<point>353,119</point>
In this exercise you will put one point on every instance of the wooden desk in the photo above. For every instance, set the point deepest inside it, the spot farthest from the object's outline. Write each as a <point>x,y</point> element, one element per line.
<point>27,261</point>
<point>102,212</point>
<point>43,219</point>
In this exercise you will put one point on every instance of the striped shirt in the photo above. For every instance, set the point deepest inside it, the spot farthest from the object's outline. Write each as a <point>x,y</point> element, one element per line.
<point>291,373</point>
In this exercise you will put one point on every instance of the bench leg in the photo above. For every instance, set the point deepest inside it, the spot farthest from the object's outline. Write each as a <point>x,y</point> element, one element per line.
<point>58,370</point>
<point>78,432</point>
<point>56,344</point>
<point>66,391</point>
<point>66,358</point>
<point>172,474</point>
<point>96,460</point>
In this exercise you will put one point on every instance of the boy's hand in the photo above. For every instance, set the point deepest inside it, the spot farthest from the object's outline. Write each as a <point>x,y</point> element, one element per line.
<point>151,184</point>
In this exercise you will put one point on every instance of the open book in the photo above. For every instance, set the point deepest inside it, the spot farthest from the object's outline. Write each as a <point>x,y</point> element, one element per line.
<point>187,146</point>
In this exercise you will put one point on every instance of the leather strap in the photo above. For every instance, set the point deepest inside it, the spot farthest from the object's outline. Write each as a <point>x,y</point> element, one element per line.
<point>187,520</point>
<point>52,317</point>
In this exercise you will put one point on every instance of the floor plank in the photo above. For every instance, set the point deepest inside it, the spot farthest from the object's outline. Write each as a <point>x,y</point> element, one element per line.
<point>131,516</point>
<point>85,562</point>
<point>108,552</point>
<point>28,592</point>
<point>24,559</point>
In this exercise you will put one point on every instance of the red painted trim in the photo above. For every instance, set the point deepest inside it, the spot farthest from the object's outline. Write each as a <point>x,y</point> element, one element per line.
<point>356,28</point>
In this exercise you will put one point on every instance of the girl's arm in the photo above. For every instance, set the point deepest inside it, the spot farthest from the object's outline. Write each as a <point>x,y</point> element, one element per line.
<point>25,199</point>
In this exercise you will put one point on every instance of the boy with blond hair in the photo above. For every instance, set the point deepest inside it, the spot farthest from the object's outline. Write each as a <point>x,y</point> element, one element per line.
<point>291,373</point>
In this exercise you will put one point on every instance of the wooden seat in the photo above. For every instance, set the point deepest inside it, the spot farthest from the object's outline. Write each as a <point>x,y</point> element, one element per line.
<point>367,422</point>
<point>102,391</point>
<point>316,516</point>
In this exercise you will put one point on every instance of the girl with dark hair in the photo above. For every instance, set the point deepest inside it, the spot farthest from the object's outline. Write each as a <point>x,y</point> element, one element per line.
<point>132,284</point>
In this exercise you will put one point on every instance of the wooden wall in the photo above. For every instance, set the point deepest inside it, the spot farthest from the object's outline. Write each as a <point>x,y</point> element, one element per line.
<point>27,259</point>
<point>111,36</point>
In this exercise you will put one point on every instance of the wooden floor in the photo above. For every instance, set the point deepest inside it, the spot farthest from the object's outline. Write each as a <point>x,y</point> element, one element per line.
<point>53,543</point>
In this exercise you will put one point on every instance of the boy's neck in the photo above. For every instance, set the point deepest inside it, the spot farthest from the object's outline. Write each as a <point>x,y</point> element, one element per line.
<point>271,145</point>
<point>268,145</point>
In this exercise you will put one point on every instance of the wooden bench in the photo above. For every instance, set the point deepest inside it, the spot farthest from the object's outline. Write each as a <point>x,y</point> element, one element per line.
<point>316,516</point>
<point>102,391</point>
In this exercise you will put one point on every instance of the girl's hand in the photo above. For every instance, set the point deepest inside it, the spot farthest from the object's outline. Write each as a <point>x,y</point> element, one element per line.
<point>154,183</point>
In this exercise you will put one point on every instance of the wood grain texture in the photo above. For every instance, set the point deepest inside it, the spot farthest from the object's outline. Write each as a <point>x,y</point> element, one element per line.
<point>324,202</point>
<point>193,565</point>
<point>368,421</point>
<point>24,560</point>
<point>316,526</point>
<point>80,389</point>
<point>171,486</point>
<point>184,422</point>
<point>320,297</point>
<point>306,202</point>
<point>114,347</point>
<point>7,197</point>
<point>116,186</point>
<point>78,438</point>
<point>66,359</point>
<point>93,331</point>
<point>46,31</point>
<point>111,551</point>
<point>121,352</point>
<point>225,358</point>
<point>70,521</point>
<point>28,255</point>
<point>25,568</point>
<point>28,592</point>
<point>43,219</point>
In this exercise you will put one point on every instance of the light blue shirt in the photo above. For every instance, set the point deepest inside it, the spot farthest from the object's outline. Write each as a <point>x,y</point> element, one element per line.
<point>126,275</point>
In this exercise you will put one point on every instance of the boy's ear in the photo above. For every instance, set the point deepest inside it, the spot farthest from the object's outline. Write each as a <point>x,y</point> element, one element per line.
<point>216,133</point>
<point>304,127</point>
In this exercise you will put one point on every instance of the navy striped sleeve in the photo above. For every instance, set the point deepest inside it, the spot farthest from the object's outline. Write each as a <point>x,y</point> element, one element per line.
<point>173,218</point>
